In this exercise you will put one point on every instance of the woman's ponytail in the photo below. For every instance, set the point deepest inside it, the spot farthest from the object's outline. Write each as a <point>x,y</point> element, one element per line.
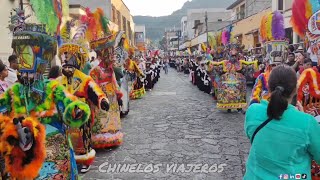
<point>278,103</point>
<point>282,84</point>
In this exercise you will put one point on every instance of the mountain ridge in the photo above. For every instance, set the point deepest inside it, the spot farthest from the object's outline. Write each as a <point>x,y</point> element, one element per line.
<point>155,26</point>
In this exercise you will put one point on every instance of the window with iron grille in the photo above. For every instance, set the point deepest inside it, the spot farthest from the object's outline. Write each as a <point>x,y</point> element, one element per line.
<point>119,19</point>
<point>124,24</point>
<point>129,30</point>
<point>114,17</point>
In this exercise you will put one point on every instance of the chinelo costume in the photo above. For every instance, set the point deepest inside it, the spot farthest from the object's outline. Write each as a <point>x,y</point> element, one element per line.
<point>215,72</point>
<point>35,98</point>
<point>231,90</point>
<point>107,128</point>
<point>305,23</point>
<point>74,55</point>
<point>121,48</point>
<point>148,81</point>
<point>273,36</point>
<point>131,67</point>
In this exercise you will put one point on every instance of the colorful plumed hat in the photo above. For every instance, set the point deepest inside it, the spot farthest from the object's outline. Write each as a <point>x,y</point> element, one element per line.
<point>74,55</point>
<point>227,40</point>
<point>31,43</point>
<point>73,49</point>
<point>226,36</point>
<point>272,27</point>
<point>305,17</point>
<point>121,46</point>
<point>51,13</point>
<point>212,40</point>
<point>97,24</point>
<point>305,21</point>
<point>272,33</point>
<point>101,39</point>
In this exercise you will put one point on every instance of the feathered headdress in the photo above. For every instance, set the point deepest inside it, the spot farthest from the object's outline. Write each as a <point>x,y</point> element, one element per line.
<point>278,31</point>
<point>50,13</point>
<point>226,35</point>
<point>272,27</point>
<point>218,37</point>
<point>212,41</point>
<point>302,10</point>
<point>76,46</point>
<point>97,24</point>
<point>203,47</point>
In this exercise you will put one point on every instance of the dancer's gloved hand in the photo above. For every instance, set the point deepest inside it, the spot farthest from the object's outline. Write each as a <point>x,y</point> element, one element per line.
<point>104,105</point>
<point>120,102</point>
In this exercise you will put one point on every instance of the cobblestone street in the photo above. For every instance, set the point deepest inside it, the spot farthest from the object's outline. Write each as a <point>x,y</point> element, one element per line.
<point>177,124</point>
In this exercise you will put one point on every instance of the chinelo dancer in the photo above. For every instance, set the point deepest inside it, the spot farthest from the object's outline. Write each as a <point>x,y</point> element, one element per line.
<point>74,55</point>
<point>154,67</point>
<point>231,90</point>
<point>274,40</point>
<point>304,22</point>
<point>148,81</point>
<point>35,98</point>
<point>121,48</point>
<point>107,128</point>
<point>137,89</point>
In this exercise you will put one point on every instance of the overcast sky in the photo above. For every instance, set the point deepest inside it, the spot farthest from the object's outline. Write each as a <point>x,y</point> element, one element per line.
<point>153,7</point>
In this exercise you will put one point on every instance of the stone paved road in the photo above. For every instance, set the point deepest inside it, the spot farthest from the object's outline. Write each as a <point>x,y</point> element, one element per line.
<point>177,124</point>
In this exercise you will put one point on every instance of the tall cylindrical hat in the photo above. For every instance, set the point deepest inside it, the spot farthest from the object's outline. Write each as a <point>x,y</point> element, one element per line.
<point>272,33</point>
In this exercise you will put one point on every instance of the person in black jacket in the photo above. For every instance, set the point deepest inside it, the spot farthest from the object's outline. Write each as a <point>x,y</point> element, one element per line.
<point>148,81</point>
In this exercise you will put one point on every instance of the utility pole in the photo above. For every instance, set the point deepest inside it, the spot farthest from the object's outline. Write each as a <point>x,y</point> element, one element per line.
<point>179,34</point>
<point>206,19</point>
<point>21,4</point>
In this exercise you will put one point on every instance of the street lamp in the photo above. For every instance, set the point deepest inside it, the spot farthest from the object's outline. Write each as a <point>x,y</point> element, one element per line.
<point>206,20</point>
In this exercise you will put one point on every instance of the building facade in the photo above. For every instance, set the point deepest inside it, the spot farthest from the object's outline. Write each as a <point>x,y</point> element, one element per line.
<point>256,6</point>
<point>194,26</point>
<point>238,9</point>
<point>120,15</point>
<point>197,16</point>
<point>247,30</point>
<point>184,33</point>
<point>172,39</point>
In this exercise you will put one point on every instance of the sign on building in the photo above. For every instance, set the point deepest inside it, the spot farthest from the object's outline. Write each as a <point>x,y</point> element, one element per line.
<point>139,37</point>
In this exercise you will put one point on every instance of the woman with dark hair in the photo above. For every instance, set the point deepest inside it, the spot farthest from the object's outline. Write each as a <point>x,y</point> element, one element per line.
<point>284,140</point>
<point>55,72</point>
